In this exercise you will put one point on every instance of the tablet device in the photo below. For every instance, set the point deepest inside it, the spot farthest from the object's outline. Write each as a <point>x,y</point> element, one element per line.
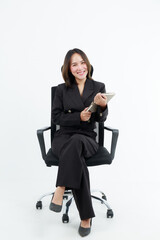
<point>93,106</point>
<point>109,95</point>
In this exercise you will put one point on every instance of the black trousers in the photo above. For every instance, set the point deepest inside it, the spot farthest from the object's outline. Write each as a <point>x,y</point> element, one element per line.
<point>72,149</point>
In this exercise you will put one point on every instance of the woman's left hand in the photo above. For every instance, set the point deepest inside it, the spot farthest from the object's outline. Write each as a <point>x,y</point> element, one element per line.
<point>100,100</point>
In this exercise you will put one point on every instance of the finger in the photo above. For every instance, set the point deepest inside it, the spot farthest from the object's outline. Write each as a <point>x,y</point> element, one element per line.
<point>103,96</point>
<point>99,95</point>
<point>87,115</point>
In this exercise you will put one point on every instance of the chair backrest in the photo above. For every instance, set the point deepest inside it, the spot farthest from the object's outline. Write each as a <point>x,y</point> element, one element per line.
<point>99,125</point>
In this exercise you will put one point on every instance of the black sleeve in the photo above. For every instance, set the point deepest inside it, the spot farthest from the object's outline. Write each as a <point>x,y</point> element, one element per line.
<point>60,117</point>
<point>101,115</point>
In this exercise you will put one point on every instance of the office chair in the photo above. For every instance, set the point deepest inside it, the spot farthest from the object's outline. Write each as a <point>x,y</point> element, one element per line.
<point>101,157</point>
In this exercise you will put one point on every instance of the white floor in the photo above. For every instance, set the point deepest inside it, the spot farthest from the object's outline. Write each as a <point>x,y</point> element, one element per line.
<point>136,213</point>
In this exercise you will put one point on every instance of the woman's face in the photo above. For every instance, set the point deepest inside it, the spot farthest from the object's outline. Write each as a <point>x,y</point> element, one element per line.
<point>78,67</point>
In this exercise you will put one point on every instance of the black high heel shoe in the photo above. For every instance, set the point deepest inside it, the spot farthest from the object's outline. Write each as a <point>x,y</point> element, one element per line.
<point>55,207</point>
<point>85,231</point>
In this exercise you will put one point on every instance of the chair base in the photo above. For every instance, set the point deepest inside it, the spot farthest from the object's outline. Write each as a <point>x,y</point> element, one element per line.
<point>68,196</point>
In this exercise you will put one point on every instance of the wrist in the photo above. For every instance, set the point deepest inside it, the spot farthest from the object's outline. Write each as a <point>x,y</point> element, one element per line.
<point>103,107</point>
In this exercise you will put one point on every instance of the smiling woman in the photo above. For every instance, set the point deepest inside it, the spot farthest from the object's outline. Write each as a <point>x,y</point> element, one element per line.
<point>75,140</point>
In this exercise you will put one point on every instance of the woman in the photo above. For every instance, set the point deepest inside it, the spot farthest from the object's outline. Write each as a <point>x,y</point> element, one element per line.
<point>75,141</point>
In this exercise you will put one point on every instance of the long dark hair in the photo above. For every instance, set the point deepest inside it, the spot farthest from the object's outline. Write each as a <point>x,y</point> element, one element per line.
<point>66,73</point>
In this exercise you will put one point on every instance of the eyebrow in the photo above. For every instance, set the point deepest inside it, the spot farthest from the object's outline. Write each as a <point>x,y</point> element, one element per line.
<point>76,62</point>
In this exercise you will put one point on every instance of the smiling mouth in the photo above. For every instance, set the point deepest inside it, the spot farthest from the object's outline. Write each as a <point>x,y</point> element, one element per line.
<point>81,73</point>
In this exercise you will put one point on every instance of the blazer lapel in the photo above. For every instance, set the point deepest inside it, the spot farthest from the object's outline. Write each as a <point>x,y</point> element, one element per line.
<point>88,90</point>
<point>75,98</point>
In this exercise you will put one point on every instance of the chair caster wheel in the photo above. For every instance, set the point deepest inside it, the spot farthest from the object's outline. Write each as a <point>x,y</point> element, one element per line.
<point>65,197</point>
<point>39,205</point>
<point>65,218</point>
<point>110,213</point>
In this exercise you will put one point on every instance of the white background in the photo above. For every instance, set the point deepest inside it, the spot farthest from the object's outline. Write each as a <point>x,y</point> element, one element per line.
<point>122,41</point>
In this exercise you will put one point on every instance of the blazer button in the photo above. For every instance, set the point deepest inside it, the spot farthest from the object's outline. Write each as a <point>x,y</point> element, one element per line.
<point>69,111</point>
<point>100,114</point>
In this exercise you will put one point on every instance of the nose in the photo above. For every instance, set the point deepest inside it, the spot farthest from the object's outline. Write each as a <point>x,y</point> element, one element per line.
<point>80,67</point>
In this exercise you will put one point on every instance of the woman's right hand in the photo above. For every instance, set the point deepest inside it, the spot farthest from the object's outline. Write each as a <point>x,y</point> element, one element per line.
<point>84,115</point>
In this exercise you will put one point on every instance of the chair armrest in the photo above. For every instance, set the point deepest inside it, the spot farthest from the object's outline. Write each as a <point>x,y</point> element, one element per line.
<point>115,133</point>
<point>41,141</point>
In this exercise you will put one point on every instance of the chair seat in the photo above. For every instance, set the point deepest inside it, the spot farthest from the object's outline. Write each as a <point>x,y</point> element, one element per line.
<point>101,157</point>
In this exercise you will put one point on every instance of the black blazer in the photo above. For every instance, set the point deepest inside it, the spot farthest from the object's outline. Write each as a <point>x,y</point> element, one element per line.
<point>68,104</point>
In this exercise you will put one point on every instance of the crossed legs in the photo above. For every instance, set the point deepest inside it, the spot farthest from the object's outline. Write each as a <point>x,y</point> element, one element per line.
<point>73,172</point>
